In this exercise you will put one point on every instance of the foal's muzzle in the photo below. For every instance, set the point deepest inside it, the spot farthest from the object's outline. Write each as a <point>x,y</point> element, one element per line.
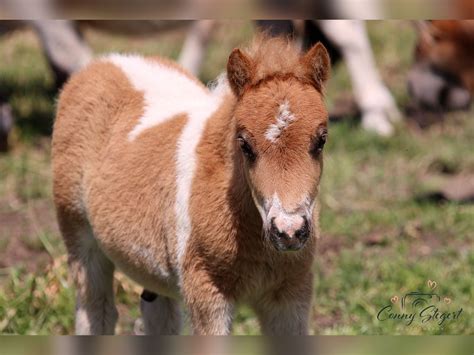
<point>289,240</point>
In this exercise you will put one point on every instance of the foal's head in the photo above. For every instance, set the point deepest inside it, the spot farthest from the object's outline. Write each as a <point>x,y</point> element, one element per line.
<point>281,130</point>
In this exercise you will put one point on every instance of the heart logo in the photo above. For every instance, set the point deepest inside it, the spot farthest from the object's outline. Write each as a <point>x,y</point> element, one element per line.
<point>447,300</point>
<point>394,299</point>
<point>432,284</point>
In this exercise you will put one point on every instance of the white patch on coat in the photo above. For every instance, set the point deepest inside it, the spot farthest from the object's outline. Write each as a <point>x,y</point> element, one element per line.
<point>167,92</point>
<point>186,165</point>
<point>220,85</point>
<point>283,120</point>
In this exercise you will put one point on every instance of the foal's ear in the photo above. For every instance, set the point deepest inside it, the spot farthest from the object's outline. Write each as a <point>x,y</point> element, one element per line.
<point>239,71</point>
<point>317,64</point>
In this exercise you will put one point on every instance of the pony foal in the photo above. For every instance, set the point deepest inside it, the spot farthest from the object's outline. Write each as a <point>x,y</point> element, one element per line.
<point>208,196</point>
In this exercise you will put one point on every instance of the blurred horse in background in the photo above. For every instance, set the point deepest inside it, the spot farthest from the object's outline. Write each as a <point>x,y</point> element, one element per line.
<point>67,52</point>
<point>442,77</point>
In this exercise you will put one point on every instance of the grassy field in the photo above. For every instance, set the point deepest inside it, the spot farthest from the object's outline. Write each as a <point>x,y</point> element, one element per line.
<point>382,236</point>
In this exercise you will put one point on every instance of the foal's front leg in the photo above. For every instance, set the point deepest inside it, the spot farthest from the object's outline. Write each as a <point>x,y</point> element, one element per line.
<point>286,312</point>
<point>210,310</point>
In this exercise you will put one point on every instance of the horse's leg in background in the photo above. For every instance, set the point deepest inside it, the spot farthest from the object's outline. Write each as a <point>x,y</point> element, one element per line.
<point>374,99</point>
<point>6,124</point>
<point>6,114</point>
<point>294,29</point>
<point>195,45</point>
<point>64,47</point>
<point>276,27</point>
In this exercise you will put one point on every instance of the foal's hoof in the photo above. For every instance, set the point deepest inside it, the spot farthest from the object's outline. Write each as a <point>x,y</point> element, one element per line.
<point>139,327</point>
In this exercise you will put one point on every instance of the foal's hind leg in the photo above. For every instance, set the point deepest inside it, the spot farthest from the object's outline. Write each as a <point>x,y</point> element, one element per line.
<point>93,274</point>
<point>161,315</point>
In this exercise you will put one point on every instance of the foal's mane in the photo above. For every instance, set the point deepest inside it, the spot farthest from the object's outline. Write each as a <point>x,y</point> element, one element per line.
<point>275,57</point>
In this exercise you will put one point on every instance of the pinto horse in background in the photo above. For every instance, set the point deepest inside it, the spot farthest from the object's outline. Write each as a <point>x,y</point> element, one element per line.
<point>207,195</point>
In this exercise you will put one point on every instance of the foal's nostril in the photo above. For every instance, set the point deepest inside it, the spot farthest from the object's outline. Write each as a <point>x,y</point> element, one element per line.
<point>276,232</point>
<point>289,240</point>
<point>303,233</point>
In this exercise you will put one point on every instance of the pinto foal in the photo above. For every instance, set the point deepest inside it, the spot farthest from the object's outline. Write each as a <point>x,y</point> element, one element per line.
<point>207,194</point>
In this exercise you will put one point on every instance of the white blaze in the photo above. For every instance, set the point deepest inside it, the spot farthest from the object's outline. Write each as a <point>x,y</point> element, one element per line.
<point>283,120</point>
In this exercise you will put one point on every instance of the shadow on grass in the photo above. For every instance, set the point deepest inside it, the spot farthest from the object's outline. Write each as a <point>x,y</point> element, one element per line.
<point>438,197</point>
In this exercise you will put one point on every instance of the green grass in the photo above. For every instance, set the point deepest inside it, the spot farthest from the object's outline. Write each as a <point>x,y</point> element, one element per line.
<point>378,238</point>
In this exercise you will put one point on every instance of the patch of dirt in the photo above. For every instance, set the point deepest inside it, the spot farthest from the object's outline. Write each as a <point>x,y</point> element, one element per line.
<point>382,242</point>
<point>19,235</point>
<point>326,321</point>
<point>379,238</point>
<point>421,119</point>
<point>11,225</point>
<point>328,249</point>
<point>425,244</point>
<point>344,108</point>
<point>459,188</point>
<point>456,188</point>
<point>330,244</point>
<point>19,253</point>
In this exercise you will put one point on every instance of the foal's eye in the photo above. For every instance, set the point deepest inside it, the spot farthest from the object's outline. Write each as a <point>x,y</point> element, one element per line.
<point>246,149</point>
<point>318,143</point>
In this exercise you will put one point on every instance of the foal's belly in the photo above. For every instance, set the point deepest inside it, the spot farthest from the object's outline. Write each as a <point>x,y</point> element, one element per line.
<point>160,284</point>
<point>148,266</point>
<point>131,203</point>
<point>140,243</point>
